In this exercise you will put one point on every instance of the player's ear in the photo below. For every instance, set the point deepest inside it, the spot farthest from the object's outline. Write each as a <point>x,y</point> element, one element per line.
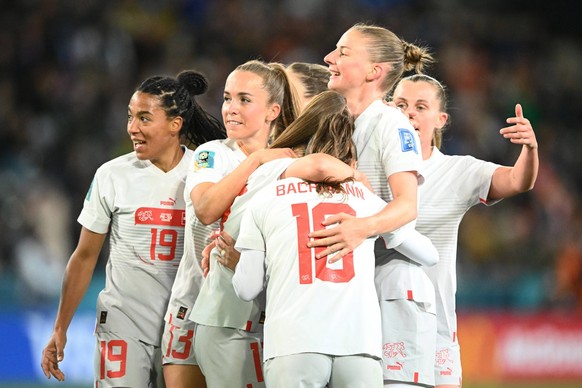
<point>273,112</point>
<point>176,125</point>
<point>377,70</point>
<point>442,120</point>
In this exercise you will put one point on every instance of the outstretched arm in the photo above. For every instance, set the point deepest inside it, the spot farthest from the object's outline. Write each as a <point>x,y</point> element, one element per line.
<point>211,200</point>
<point>509,181</point>
<point>76,280</point>
<point>418,248</point>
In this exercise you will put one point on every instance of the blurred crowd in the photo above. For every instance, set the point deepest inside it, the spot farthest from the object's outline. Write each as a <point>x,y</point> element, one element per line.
<point>68,69</point>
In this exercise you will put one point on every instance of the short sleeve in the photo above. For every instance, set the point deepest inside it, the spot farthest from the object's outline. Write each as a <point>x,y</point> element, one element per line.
<point>401,149</point>
<point>210,163</point>
<point>98,205</point>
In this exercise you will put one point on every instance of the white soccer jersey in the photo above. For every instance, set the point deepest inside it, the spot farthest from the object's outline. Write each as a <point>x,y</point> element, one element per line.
<point>313,306</point>
<point>453,184</point>
<point>217,303</point>
<point>212,161</point>
<point>143,210</point>
<point>387,143</point>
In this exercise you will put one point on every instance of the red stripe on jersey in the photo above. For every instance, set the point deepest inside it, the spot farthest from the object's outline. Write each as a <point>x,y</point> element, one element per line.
<point>162,217</point>
<point>257,361</point>
<point>454,336</point>
<point>171,337</point>
<point>248,327</point>
<point>227,212</point>
<point>409,295</point>
<point>416,377</point>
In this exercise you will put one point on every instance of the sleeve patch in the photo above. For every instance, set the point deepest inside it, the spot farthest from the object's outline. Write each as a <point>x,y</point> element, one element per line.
<point>407,140</point>
<point>204,159</point>
<point>88,196</point>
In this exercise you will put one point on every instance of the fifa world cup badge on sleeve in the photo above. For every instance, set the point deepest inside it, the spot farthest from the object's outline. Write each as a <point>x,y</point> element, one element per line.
<point>407,141</point>
<point>204,159</point>
<point>88,196</point>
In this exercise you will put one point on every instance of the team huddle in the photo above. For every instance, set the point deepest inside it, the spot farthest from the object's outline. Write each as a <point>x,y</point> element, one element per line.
<point>306,240</point>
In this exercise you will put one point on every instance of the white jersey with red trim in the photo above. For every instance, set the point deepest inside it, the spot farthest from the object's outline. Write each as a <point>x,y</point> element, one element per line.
<point>387,143</point>
<point>217,304</point>
<point>212,161</point>
<point>313,306</point>
<point>453,185</point>
<point>143,210</point>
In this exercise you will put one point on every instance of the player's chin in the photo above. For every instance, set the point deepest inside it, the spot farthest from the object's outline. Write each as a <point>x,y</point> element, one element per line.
<point>141,155</point>
<point>334,84</point>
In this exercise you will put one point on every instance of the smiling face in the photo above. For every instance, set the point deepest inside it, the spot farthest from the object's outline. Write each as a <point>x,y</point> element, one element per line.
<point>154,136</point>
<point>246,111</point>
<point>349,63</point>
<point>419,102</point>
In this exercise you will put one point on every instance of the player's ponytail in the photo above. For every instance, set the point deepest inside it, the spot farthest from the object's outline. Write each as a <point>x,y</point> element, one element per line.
<point>278,86</point>
<point>383,46</point>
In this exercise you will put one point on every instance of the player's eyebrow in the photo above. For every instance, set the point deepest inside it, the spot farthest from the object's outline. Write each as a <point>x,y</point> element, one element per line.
<point>239,93</point>
<point>141,112</point>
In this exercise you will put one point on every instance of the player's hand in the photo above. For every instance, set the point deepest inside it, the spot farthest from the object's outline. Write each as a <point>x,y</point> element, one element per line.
<point>52,354</point>
<point>270,154</point>
<point>205,262</point>
<point>521,132</point>
<point>341,239</point>
<point>227,255</point>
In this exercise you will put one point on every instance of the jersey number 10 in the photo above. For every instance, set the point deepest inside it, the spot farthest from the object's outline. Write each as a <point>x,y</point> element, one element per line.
<point>304,219</point>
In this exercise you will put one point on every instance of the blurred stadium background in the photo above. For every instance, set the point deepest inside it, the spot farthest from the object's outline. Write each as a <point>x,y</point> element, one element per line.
<point>68,69</point>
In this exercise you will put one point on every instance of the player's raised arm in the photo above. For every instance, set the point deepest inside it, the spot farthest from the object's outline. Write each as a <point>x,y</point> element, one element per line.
<point>509,181</point>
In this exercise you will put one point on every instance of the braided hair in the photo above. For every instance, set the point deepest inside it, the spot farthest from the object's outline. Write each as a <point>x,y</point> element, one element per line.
<point>176,96</point>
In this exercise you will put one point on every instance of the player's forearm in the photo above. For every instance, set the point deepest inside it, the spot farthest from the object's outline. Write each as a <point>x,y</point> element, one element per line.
<point>248,278</point>
<point>76,281</point>
<point>394,215</point>
<point>317,167</point>
<point>212,201</point>
<point>510,181</point>
<point>418,248</point>
<point>525,171</point>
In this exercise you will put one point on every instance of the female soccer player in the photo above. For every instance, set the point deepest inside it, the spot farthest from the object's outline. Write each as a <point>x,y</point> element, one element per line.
<point>138,199</point>
<point>257,102</point>
<point>303,293</point>
<point>366,63</point>
<point>454,184</point>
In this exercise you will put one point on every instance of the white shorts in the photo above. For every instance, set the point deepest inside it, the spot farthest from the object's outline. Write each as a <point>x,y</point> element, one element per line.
<point>319,370</point>
<point>448,369</point>
<point>408,342</point>
<point>178,343</point>
<point>229,357</point>
<point>126,362</point>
